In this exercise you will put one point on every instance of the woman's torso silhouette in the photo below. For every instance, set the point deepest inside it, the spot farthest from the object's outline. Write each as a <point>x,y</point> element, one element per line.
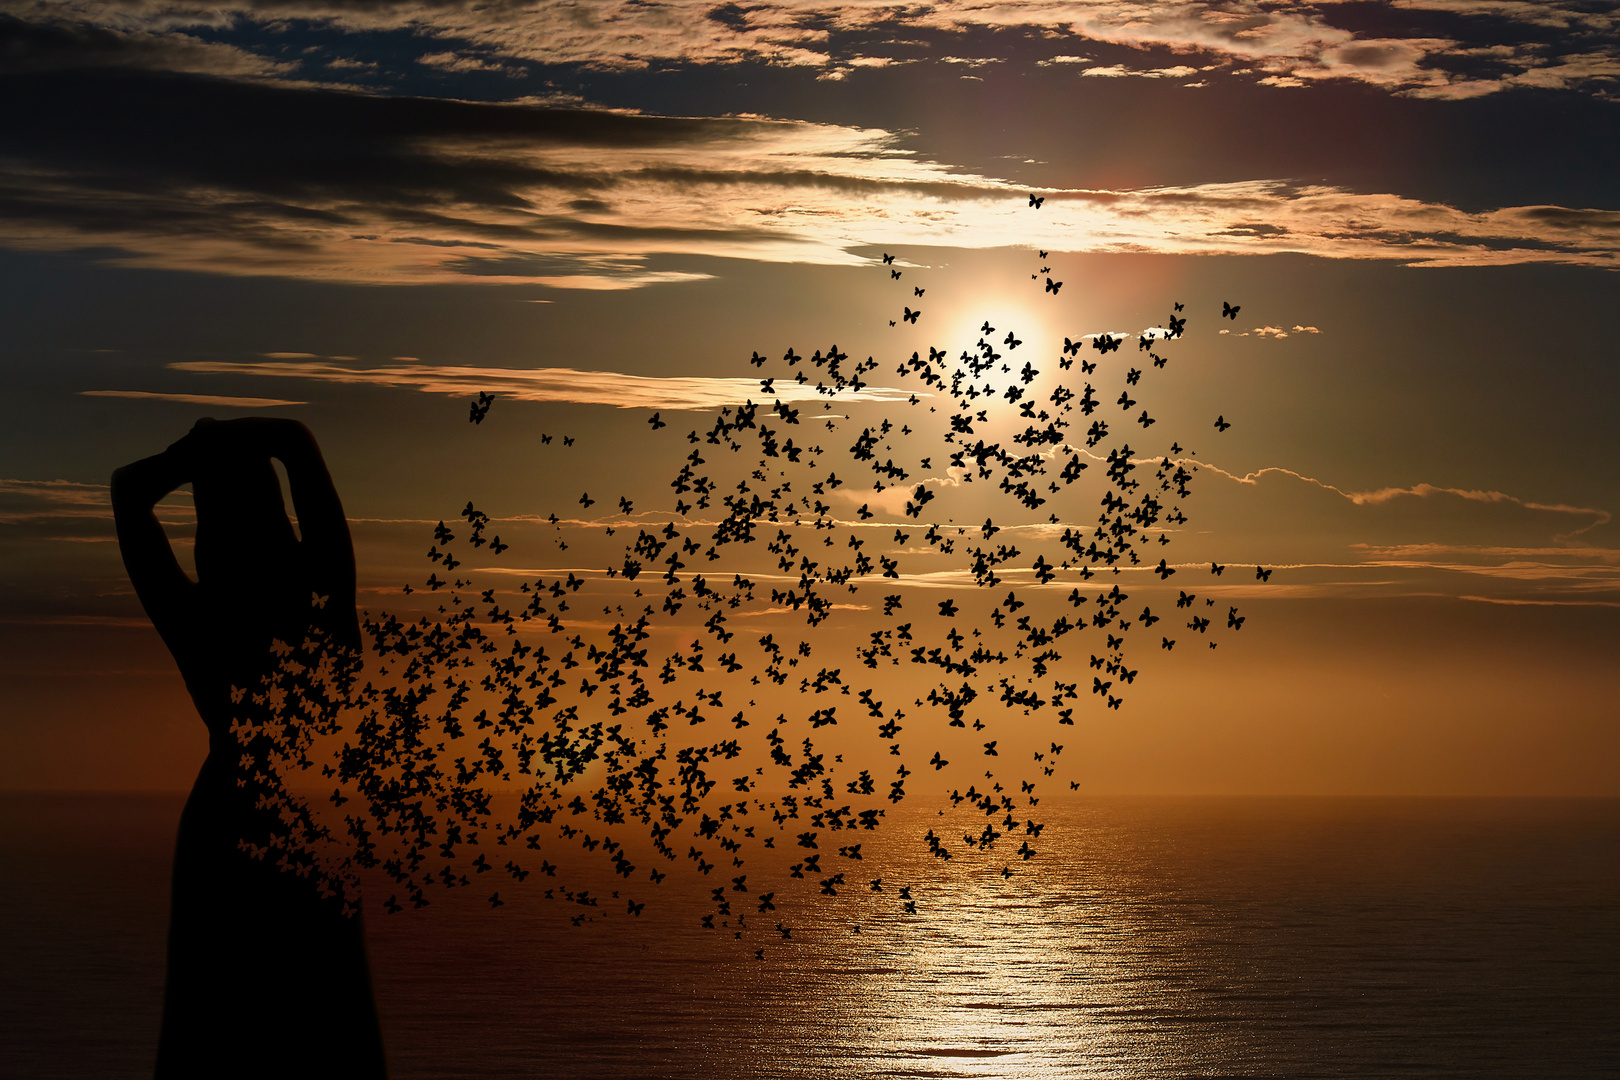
<point>265,976</point>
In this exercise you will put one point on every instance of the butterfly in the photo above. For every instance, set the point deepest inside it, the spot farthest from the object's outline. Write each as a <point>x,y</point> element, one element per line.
<point>1012,342</point>
<point>1228,311</point>
<point>887,258</point>
<point>1036,201</point>
<point>656,422</point>
<point>318,600</point>
<point>635,908</point>
<point>545,439</point>
<point>1053,286</point>
<point>917,291</point>
<point>568,440</point>
<point>1261,574</point>
<point>894,273</point>
<point>911,316</point>
<point>1221,423</point>
<point>585,500</point>
<point>1043,255</point>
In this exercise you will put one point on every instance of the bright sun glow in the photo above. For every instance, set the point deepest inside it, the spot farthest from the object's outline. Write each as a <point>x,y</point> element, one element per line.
<point>1033,329</point>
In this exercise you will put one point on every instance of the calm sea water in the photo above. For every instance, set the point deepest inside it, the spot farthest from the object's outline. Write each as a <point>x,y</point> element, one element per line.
<point>1152,938</point>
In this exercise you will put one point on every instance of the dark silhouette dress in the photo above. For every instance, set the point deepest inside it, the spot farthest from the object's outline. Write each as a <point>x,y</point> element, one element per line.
<point>266,978</point>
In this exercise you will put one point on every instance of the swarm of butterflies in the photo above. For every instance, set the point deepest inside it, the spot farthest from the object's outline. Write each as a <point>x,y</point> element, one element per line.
<point>831,593</point>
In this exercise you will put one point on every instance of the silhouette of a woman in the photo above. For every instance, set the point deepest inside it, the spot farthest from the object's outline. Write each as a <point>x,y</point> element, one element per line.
<point>266,978</point>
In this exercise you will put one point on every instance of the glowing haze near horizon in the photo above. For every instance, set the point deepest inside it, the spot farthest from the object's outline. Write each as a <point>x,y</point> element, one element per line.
<point>359,216</point>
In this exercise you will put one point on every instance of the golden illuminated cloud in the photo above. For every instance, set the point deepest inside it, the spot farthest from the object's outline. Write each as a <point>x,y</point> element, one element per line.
<point>1285,43</point>
<point>545,384</point>
<point>521,194</point>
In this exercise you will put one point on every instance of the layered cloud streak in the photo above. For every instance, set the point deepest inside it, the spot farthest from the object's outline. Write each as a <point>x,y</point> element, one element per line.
<point>1559,43</point>
<point>238,178</point>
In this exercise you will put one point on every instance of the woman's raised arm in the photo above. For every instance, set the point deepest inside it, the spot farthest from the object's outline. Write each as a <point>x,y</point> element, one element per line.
<point>163,587</point>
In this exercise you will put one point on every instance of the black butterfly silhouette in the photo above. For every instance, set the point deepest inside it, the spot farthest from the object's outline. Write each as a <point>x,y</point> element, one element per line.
<point>1228,311</point>
<point>1261,574</point>
<point>1221,424</point>
<point>1036,201</point>
<point>911,316</point>
<point>1053,286</point>
<point>655,422</point>
<point>887,258</point>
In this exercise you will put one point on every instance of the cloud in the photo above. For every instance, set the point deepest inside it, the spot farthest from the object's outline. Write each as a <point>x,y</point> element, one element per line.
<point>1119,71</point>
<point>1565,42</point>
<point>57,45</point>
<point>1421,491</point>
<point>33,500</point>
<point>247,179</point>
<point>542,384</point>
<point>44,501</point>
<point>195,399</point>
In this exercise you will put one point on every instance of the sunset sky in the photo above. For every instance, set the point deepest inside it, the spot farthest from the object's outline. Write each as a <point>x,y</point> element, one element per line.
<point>362,214</point>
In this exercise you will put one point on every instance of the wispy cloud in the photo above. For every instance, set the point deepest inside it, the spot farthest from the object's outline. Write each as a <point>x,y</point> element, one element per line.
<point>543,384</point>
<point>215,178</point>
<point>68,503</point>
<point>34,500</point>
<point>195,399</point>
<point>1381,496</point>
<point>1568,43</point>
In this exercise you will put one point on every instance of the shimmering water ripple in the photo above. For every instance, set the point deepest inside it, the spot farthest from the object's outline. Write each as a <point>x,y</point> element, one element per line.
<point>1152,938</point>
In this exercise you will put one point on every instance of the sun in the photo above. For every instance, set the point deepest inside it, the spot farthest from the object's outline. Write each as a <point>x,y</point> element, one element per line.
<point>1017,332</point>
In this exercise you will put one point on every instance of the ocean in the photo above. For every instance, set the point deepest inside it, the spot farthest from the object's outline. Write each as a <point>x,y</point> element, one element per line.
<point>1151,937</point>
